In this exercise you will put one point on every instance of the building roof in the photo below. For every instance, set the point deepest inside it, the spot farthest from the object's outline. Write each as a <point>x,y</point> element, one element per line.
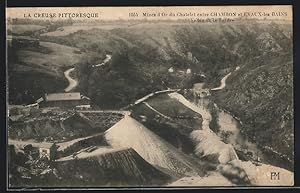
<point>22,38</point>
<point>43,145</point>
<point>84,106</point>
<point>9,37</point>
<point>85,97</point>
<point>62,96</point>
<point>32,105</point>
<point>15,106</point>
<point>15,117</point>
<point>22,144</point>
<point>40,100</point>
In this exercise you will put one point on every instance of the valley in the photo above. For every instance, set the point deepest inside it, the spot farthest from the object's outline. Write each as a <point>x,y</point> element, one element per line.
<point>170,104</point>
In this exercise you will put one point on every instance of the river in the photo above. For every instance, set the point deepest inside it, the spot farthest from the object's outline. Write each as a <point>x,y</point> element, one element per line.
<point>229,128</point>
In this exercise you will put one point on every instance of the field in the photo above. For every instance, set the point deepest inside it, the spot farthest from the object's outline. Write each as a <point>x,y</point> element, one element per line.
<point>66,30</point>
<point>175,129</point>
<point>22,29</point>
<point>170,108</point>
<point>57,57</point>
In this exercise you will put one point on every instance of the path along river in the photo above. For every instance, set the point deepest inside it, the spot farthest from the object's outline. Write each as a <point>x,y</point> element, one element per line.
<point>229,127</point>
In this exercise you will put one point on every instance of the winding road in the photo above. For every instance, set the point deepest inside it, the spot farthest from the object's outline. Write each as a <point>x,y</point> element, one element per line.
<point>72,82</point>
<point>107,59</point>
<point>223,81</point>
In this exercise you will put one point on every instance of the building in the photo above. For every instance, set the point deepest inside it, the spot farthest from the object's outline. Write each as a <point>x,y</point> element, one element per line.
<point>171,69</point>
<point>64,100</point>
<point>188,71</point>
<point>190,56</point>
<point>47,150</point>
<point>15,119</point>
<point>43,149</point>
<point>22,41</point>
<point>19,110</point>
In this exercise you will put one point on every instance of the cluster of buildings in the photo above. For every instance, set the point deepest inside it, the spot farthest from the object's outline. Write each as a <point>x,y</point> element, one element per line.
<point>38,150</point>
<point>70,100</point>
<point>22,41</point>
<point>73,100</point>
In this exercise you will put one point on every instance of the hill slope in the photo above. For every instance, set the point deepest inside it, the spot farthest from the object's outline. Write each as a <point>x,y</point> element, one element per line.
<point>130,133</point>
<point>113,168</point>
<point>102,167</point>
<point>36,70</point>
<point>261,95</point>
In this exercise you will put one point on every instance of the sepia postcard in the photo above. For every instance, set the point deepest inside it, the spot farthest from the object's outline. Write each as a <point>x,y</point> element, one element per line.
<point>152,97</point>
